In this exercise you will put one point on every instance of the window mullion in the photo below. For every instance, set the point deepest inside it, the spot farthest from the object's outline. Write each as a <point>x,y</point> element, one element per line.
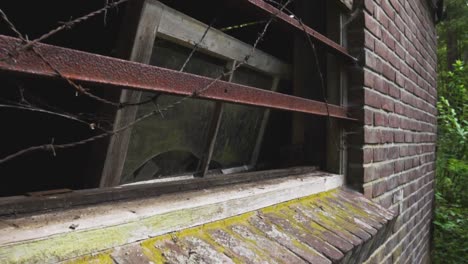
<point>261,132</point>
<point>214,127</point>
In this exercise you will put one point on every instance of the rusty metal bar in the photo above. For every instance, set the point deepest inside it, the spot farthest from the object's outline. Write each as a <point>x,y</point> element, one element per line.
<point>111,72</point>
<point>328,43</point>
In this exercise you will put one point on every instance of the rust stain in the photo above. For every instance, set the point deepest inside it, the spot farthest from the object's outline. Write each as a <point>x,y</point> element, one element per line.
<point>116,73</point>
<point>328,43</point>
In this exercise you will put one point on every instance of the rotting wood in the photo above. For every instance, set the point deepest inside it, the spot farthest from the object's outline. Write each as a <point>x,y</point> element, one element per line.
<point>214,128</point>
<point>152,217</point>
<point>304,236</point>
<point>22,204</point>
<point>141,49</point>
<point>184,30</point>
<point>49,192</point>
<point>263,235</point>
<point>290,242</point>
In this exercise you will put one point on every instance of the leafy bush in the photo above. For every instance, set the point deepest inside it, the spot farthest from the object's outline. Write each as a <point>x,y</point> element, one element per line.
<point>452,151</point>
<point>451,215</point>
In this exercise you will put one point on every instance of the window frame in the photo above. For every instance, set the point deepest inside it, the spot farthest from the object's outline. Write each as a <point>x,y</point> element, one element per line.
<point>28,64</point>
<point>157,20</point>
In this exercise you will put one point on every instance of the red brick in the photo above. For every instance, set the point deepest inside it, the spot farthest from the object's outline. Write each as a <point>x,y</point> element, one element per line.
<point>372,136</point>
<point>380,119</point>
<point>380,154</point>
<point>394,121</point>
<point>372,99</point>
<point>372,25</point>
<point>388,71</point>
<point>388,9</point>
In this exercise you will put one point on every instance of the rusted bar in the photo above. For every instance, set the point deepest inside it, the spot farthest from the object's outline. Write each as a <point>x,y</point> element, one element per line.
<point>328,43</point>
<point>111,72</point>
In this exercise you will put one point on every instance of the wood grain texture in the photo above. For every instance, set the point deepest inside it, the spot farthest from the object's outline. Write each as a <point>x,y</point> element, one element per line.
<point>146,28</point>
<point>325,227</point>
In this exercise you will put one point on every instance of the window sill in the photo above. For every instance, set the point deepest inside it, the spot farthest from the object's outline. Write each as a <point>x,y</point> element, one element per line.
<point>130,229</point>
<point>52,236</point>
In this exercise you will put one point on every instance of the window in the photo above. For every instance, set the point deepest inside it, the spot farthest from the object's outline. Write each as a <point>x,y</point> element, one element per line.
<point>204,135</point>
<point>283,107</point>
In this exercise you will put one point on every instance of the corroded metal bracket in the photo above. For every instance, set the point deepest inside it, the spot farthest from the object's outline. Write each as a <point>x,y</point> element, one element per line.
<point>116,73</point>
<point>292,21</point>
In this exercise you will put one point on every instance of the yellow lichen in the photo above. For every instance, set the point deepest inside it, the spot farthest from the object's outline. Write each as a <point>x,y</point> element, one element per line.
<point>103,258</point>
<point>64,246</point>
<point>151,252</point>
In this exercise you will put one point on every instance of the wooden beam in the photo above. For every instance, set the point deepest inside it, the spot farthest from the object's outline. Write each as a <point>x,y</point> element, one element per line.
<point>214,127</point>
<point>27,204</point>
<point>145,18</point>
<point>184,30</point>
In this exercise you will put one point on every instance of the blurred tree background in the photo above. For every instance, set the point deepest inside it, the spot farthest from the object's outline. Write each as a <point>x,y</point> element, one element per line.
<point>451,212</point>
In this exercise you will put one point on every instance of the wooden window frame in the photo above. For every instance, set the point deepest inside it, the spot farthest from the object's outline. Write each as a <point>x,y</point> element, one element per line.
<point>153,19</point>
<point>156,20</point>
<point>30,65</point>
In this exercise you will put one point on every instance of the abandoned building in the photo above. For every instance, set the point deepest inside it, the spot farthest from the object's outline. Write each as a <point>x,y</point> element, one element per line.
<point>217,131</point>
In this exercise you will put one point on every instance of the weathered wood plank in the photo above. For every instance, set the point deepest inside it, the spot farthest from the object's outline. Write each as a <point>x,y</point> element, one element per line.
<point>132,254</point>
<point>214,128</point>
<point>146,27</point>
<point>184,30</point>
<point>129,222</point>
<point>290,242</point>
<point>22,204</point>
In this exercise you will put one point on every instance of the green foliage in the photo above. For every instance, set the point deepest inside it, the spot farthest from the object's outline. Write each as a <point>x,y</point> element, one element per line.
<point>451,212</point>
<point>456,24</point>
<point>452,166</point>
<point>450,234</point>
<point>451,216</point>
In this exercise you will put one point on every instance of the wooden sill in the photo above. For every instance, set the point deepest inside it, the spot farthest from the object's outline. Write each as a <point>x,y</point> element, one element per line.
<point>17,205</point>
<point>137,219</point>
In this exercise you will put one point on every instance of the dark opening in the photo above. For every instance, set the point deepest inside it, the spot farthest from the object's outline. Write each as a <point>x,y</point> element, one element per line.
<point>290,139</point>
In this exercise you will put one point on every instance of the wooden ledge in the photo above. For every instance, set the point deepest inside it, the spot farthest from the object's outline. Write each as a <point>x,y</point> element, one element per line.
<point>54,236</point>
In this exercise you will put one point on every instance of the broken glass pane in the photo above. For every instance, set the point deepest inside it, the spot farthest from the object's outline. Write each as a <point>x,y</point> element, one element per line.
<point>171,143</point>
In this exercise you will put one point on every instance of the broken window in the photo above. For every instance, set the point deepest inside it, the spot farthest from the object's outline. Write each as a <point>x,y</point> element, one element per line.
<point>202,136</point>
<point>237,129</point>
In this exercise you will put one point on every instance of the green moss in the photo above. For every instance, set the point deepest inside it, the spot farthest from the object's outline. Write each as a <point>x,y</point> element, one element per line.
<point>80,243</point>
<point>151,252</point>
<point>103,258</point>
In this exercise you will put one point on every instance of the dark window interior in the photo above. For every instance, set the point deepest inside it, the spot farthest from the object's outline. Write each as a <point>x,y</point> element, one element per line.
<point>176,143</point>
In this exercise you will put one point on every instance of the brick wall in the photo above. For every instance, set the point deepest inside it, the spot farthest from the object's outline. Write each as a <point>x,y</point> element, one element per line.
<point>393,90</point>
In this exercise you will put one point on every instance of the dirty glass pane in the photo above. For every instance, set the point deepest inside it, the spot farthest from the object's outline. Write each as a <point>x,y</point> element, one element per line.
<point>240,124</point>
<point>173,143</point>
